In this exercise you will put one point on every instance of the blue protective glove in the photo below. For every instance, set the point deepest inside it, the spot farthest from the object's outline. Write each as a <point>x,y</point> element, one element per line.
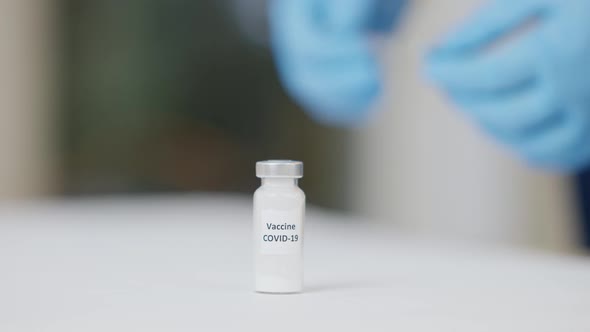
<point>530,91</point>
<point>324,57</point>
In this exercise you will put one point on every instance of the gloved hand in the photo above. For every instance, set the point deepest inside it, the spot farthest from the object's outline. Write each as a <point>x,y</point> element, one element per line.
<point>530,91</point>
<point>323,55</point>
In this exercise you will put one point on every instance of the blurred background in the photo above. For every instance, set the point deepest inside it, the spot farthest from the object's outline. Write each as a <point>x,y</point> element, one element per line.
<point>148,96</point>
<point>174,96</point>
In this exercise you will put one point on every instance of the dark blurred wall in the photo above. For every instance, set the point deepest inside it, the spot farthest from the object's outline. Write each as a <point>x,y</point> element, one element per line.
<point>167,95</point>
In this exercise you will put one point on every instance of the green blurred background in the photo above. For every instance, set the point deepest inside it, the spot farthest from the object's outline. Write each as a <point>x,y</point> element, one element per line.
<point>162,96</point>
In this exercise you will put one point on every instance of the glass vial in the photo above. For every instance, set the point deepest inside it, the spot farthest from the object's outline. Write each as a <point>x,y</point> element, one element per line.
<point>279,210</point>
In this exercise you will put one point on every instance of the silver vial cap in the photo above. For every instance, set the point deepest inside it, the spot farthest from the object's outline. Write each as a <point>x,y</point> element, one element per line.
<point>279,169</point>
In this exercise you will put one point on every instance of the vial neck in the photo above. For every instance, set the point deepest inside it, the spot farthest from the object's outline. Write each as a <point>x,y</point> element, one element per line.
<point>279,182</point>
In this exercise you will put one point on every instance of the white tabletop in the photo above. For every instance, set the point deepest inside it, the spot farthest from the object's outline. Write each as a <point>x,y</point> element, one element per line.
<point>184,264</point>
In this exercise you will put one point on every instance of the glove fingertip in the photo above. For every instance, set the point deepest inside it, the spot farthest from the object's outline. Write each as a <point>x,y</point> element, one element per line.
<point>434,69</point>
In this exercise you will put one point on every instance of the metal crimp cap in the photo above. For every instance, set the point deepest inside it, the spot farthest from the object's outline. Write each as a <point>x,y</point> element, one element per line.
<point>279,169</point>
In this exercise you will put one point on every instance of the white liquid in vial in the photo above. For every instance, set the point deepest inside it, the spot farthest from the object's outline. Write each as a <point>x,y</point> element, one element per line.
<point>279,208</point>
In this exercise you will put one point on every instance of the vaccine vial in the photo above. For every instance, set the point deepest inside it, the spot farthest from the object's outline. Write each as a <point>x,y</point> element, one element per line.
<point>279,210</point>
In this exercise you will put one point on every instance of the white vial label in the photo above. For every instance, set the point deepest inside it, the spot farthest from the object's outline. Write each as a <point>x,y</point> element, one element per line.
<point>281,232</point>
